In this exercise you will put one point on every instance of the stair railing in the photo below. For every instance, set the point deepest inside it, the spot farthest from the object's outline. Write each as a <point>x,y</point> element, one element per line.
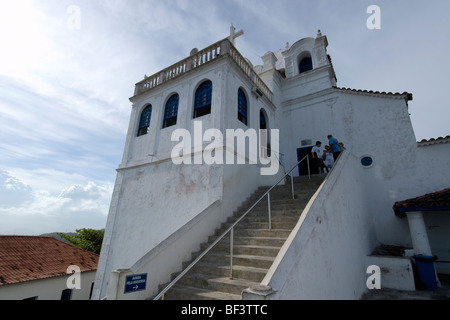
<point>231,229</point>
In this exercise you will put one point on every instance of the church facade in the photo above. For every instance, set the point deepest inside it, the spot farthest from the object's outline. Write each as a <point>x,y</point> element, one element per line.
<point>183,172</point>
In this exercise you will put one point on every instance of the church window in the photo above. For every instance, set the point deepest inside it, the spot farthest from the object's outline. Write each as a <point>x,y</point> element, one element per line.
<point>262,120</point>
<point>144,122</point>
<point>202,103</point>
<point>305,65</point>
<point>171,111</point>
<point>366,161</point>
<point>242,106</point>
<point>264,137</point>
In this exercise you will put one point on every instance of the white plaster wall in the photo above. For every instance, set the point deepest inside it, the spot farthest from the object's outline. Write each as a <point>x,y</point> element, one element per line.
<point>48,289</point>
<point>369,125</point>
<point>325,255</point>
<point>438,227</point>
<point>395,272</point>
<point>154,199</point>
<point>157,144</point>
<point>239,182</point>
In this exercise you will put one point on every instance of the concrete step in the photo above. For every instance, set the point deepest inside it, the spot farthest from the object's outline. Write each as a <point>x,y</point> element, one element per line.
<point>238,259</point>
<point>263,232</point>
<point>213,269</point>
<point>257,241</point>
<point>265,251</point>
<point>262,224</point>
<point>274,213</point>
<point>223,284</point>
<point>179,292</point>
<point>255,247</point>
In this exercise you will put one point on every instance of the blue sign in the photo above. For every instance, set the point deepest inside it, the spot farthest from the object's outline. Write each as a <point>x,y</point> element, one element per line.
<point>135,282</point>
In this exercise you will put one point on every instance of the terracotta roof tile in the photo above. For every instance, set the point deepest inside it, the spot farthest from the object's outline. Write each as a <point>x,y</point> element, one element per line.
<point>436,201</point>
<point>408,96</point>
<point>27,258</point>
<point>432,141</point>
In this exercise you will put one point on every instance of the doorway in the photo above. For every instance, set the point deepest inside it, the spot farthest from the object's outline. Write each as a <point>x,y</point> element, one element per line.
<point>303,167</point>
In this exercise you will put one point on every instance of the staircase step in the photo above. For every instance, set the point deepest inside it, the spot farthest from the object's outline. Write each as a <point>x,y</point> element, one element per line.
<point>255,247</point>
<point>258,241</point>
<point>254,274</point>
<point>264,232</point>
<point>180,292</point>
<point>223,284</point>
<point>238,259</point>
<point>266,251</point>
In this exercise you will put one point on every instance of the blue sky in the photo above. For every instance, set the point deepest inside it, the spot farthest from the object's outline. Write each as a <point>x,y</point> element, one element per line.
<point>67,69</point>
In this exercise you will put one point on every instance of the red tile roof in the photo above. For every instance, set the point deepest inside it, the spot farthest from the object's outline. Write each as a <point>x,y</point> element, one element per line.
<point>432,141</point>
<point>408,96</point>
<point>436,201</point>
<point>27,258</point>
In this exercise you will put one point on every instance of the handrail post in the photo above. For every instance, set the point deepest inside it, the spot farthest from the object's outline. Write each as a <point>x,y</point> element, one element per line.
<point>309,170</point>
<point>231,252</point>
<point>270,214</point>
<point>292,186</point>
<point>231,230</point>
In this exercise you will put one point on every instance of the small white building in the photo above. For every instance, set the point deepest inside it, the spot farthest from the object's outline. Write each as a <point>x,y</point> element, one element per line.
<point>161,210</point>
<point>44,268</point>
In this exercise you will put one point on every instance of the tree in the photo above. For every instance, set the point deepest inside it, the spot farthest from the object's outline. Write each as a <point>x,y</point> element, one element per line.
<point>87,239</point>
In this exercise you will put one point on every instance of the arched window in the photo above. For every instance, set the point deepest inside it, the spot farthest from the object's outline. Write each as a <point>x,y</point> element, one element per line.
<point>202,103</point>
<point>305,65</point>
<point>144,122</point>
<point>242,106</point>
<point>262,120</point>
<point>171,111</point>
<point>264,137</point>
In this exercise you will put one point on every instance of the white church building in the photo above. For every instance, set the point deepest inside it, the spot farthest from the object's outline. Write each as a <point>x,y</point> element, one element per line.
<point>182,176</point>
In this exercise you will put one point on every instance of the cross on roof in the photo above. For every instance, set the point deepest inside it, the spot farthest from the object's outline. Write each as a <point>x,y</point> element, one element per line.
<point>234,34</point>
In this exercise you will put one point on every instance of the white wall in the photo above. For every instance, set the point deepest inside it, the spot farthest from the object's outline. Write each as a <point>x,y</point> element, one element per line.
<point>154,199</point>
<point>48,289</point>
<point>159,263</point>
<point>438,228</point>
<point>325,256</point>
<point>374,125</point>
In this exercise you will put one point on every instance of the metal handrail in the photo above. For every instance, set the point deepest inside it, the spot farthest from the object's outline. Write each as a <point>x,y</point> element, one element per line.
<point>231,230</point>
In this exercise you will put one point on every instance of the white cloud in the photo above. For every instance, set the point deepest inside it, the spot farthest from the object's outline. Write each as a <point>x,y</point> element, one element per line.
<point>24,209</point>
<point>64,93</point>
<point>13,192</point>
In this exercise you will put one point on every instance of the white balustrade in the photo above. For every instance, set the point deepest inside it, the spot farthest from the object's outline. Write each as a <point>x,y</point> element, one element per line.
<point>221,48</point>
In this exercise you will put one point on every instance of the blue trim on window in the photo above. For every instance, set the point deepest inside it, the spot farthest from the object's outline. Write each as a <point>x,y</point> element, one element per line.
<point>144,122</point>
<point>203,95</point>
<point>242,106</point>
<point>401,213</point>
<point>202,100</point>
<point>171,111</point>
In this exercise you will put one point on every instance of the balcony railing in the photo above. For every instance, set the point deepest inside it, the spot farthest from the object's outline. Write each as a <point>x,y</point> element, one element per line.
<point>205,56</point>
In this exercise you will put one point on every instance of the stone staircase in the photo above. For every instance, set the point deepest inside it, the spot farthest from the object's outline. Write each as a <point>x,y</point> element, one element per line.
<point>255,246</point>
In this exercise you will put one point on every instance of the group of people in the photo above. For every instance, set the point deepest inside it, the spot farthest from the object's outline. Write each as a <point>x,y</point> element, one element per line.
<point>326,159</point>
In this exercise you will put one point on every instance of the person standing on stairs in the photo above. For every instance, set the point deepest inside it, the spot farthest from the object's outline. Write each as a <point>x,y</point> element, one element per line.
<point>334,146</point>
<point>318,157</point>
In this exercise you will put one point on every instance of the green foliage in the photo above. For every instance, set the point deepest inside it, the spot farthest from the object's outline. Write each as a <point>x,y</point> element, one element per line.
<point>87,239</point>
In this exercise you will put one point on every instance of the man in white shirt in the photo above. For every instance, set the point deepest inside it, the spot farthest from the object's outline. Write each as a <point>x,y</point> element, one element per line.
<point>317,156</point>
